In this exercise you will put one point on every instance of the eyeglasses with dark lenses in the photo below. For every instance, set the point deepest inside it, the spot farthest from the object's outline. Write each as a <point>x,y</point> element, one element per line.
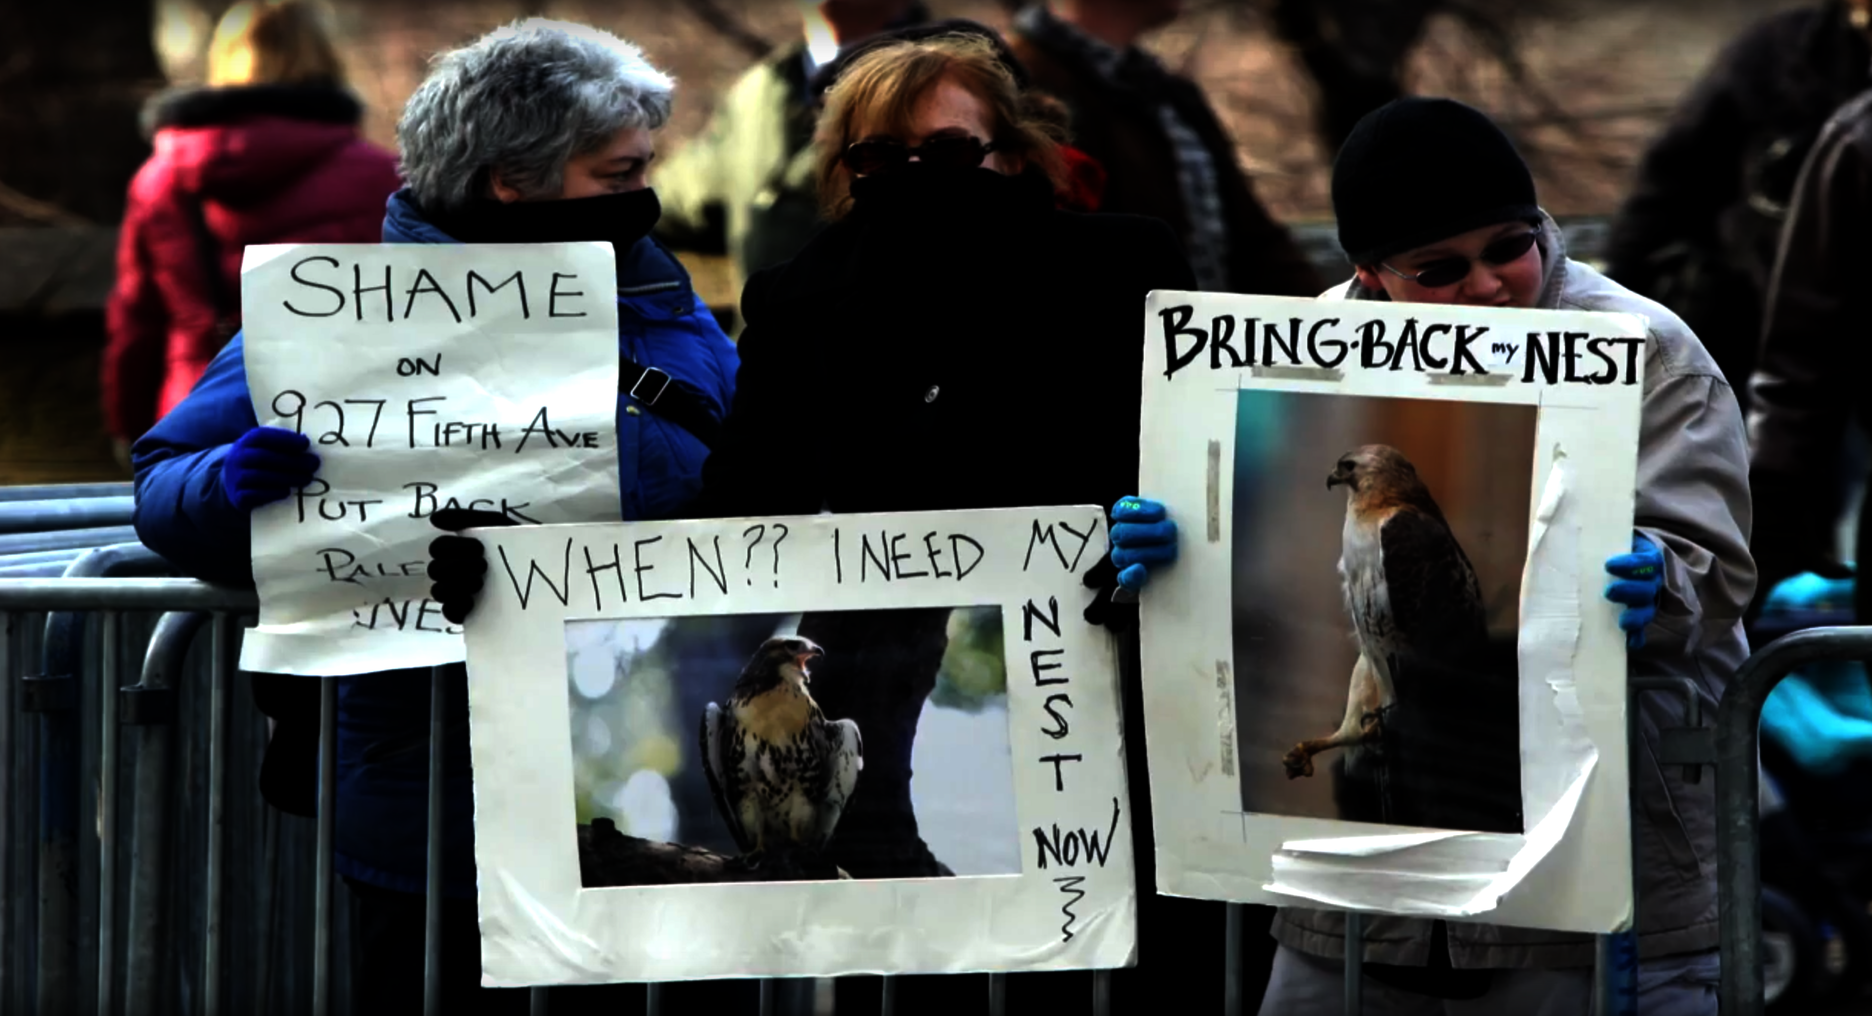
<point>1449,271</point>
<point>949,151</point>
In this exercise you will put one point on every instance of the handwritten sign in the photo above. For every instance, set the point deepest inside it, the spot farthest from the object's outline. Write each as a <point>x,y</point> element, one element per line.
<point>426,377</point>
<point>1071,906</point>
<point>1249,403</point>
<point>1339,336</point>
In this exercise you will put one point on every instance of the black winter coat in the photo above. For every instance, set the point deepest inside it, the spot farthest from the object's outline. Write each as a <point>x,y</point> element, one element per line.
<point>1699,230</point>
<point>950,344</point>
<point>956,343</point>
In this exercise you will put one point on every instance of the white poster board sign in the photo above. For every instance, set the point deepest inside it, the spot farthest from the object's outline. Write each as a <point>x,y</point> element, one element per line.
<point>1484,777</point>
<point>594,654</point>
<point>426,377</point>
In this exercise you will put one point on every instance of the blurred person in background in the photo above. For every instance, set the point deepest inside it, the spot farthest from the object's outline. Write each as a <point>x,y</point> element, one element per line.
<point>1809,385</point>
<point>1164,152</point>
<point>744,186</point>
<point>1699,230</point>
<point>540,132</point>
<point>1434,205</point>
<point>925,320</point>
<point>267,152</point>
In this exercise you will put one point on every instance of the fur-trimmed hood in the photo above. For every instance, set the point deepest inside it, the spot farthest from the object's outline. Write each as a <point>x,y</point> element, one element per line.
<point>238,145</point>
<point>201,106</point>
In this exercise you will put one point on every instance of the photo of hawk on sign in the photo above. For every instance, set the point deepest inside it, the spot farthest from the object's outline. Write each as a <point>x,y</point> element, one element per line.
<point>1413,600</point>
<point>780,771</point>
<point>764,748</point>
<point>1383,655</point>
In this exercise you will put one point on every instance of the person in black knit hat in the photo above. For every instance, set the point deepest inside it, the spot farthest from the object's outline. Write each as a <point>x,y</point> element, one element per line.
<point>1436,206</point>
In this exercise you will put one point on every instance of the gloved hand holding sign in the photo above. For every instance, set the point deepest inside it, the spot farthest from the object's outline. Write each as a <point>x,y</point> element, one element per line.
<point>1141,535</point>
<point>266,464</point>
<point>458,564</point>
<point>1640,577</point>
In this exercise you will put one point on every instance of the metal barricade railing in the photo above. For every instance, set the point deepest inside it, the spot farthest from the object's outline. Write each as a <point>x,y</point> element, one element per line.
<point>83,929</point>
<point>1736,756</point>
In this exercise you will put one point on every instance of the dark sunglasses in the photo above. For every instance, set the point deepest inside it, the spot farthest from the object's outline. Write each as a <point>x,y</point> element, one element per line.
<point>1449,271</point>
<point>954,151</point>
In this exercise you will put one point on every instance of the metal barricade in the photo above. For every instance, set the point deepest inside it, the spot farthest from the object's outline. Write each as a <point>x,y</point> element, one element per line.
<point>1736,754</point>
<point>92,901</point>
<point>131,879</point>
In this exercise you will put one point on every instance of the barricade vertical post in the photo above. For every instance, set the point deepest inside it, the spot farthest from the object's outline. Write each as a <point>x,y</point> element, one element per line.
<point>1354,963</point>
<point>269,876</point>
<point>997,995</point>
<point>1232,977</point>
<point>1101,993</point>
<point>147,933</point>
<point>653,1000</point>
<point>221,638</point>
<point>56,693</point>
<point>9,687</point>
<point>432,903</point>
<point>767,986</point>
<point>537,1002</point>
<point>887,997</point>
<point>107,816</point>
<point>322,887</point>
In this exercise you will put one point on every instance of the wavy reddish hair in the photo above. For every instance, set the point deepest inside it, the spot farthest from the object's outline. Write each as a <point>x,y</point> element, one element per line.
<point>883,87</point>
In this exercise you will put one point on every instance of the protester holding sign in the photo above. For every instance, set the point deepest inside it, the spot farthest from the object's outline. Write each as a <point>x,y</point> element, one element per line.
<point>539,132</point>
<point>949,341</point>
<point>1435,206</point>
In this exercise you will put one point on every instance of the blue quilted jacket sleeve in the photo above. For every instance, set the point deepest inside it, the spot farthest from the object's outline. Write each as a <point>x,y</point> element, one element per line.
<point>182,511</point>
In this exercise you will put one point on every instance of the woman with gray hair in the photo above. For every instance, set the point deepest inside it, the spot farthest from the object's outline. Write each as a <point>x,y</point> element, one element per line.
<point>538,132</point>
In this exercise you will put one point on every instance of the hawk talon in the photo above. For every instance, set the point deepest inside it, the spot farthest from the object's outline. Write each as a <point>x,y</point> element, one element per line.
<point>1298,762</point>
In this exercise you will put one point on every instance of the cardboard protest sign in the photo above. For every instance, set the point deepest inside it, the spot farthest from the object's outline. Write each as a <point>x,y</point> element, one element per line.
<point>426,377</point>
<point>693,745</point>
<point>1382,675</point>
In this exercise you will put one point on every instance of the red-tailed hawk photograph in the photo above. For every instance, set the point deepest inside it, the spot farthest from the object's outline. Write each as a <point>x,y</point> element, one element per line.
<point>782,748</point>
<point>1379,545</point>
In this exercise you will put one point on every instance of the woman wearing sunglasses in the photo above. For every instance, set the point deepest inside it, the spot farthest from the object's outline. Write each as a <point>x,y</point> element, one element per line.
<point>950,340</point>
<point>1435,206</point>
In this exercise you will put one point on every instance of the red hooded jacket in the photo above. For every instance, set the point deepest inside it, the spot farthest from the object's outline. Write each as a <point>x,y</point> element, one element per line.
<point>263,164</point>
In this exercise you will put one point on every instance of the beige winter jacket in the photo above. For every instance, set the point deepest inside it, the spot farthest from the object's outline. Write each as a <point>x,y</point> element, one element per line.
<point>1693,502</point>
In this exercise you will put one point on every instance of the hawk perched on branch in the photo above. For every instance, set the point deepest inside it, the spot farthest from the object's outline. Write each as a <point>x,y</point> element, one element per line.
<point>1413,598</point>
<point>780,771</point>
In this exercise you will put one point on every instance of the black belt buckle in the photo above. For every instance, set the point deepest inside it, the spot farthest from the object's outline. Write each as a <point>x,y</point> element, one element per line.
<point>662,386</point>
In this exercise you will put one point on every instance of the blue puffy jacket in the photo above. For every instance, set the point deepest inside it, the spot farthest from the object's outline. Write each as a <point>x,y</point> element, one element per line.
<point>183,513</point>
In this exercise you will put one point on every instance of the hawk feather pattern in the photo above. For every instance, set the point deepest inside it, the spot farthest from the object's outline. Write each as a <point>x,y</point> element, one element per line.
<point>780,772</point>
<point>1410,592</point>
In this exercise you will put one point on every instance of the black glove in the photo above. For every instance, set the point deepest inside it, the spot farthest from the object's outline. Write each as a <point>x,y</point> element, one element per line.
<point>1119,616</point>
<point>457,564</point>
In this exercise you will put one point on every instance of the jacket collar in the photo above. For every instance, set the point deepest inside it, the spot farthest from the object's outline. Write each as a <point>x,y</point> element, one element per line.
<point>646,269</point>
<point>1553,271</point>
<point>197,106</point>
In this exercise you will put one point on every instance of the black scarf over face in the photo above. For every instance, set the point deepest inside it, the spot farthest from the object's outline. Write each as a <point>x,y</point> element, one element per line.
<point>928,236</point>
<point>623,219</point>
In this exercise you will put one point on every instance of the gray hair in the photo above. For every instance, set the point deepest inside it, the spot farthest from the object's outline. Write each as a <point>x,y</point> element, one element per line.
<point>523,99</point>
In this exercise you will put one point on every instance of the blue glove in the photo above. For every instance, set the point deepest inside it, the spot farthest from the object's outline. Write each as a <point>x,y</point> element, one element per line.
<point>1641,578</point>
<point>265,465</point>
<point>1141,535</point>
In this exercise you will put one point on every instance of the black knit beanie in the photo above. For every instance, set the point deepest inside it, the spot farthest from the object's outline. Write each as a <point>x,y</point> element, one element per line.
<point>1421,170</point>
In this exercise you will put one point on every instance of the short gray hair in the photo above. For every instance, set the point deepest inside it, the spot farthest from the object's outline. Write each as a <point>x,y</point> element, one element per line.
<point>523,99</point>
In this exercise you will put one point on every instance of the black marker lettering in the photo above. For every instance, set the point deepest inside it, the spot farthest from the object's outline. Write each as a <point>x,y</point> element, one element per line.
<point>637,555</point>
<point>474,277</point>
<point>552,298</point>
<point>1062,727</point>
<point>333,290</point>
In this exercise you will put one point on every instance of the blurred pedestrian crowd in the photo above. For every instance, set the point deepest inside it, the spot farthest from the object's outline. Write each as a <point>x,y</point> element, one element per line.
<point>956,176</point>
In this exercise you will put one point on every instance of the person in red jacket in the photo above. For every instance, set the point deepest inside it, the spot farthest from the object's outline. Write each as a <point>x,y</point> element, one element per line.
<point>267,152</point>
